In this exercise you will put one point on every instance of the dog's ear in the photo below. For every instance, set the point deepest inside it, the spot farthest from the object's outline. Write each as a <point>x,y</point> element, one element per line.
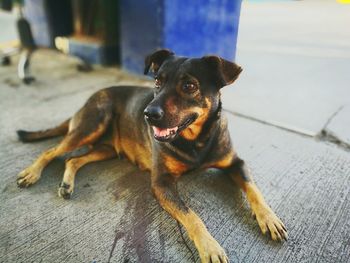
<point>225,72</point>
<point>155,60</point>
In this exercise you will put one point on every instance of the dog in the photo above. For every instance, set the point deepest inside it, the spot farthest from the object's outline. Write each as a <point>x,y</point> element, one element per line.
<point>174,128</point>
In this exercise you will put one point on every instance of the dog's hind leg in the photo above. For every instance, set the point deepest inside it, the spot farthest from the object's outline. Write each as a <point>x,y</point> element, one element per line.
<point>98,153</point>
<point>85,128</point>
<point>32,174</point>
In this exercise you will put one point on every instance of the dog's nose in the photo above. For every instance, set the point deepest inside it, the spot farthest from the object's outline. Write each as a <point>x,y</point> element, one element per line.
<point>154,113</point>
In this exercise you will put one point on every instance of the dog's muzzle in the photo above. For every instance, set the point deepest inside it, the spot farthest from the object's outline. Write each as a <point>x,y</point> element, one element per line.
<point>154,114</point>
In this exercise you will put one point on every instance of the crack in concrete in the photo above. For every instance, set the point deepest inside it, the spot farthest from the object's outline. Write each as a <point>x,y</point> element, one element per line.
<point>331,118</point>
<point>327,136</point>
<point>324,135</point>
<point>284,128</point>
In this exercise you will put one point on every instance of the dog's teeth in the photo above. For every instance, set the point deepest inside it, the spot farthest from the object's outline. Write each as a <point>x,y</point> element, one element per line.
<point>164,132</point>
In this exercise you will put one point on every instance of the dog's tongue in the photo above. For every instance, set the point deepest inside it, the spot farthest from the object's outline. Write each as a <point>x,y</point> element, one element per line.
<point>163,132</point>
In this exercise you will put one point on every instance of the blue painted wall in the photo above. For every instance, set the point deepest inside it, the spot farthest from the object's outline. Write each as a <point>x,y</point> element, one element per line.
<point>197,28</point>
<point>190,28</point>
<point>141,31</point>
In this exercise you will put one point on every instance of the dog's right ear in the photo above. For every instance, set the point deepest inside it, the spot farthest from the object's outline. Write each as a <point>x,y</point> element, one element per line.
<point>156,59</point>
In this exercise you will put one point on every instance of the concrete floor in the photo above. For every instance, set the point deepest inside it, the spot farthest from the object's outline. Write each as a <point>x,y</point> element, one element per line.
<point>296,58</point>
<point>302,168</point>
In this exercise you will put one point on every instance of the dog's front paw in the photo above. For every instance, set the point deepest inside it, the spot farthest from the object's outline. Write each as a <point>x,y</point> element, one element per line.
<point>65,190</point>
<point>269,222</point>
<point>209,250</point>
<point>28,177</point>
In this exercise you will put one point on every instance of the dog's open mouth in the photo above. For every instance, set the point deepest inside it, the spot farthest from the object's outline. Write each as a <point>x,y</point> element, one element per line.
<point>168,134</point>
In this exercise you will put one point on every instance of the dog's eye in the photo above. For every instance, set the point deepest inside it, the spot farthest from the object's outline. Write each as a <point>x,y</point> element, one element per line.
<point>157,83</point>
<point>189,87</point>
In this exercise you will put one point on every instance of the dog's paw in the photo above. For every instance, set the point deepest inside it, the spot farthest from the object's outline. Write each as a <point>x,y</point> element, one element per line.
<point>65,190</point>
<point>210,251</point>
<point>28,177</point>
<point>269,222</point>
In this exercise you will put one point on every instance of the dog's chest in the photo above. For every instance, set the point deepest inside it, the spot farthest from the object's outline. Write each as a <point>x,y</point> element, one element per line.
<point>192,153</point>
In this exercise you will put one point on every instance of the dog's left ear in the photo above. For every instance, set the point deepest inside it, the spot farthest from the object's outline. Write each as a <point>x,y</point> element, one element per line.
<point>225,72</point>
<point>156,59</point>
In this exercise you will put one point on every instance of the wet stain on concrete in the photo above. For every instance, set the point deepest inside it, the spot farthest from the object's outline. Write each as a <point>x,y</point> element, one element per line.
<point>118,236</point>
<point>135,190</point>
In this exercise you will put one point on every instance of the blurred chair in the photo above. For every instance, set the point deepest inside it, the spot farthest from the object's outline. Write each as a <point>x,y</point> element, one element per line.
<point>27,44</point>
<point>54,27</point>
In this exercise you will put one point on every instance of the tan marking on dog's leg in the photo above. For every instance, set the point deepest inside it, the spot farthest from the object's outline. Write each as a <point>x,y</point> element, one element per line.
<point>32,174</point>
<point>266,218</point>
<point>70,142</point>
<point>208,248</point>
<point>225,161</point>
<point>174,166</point>
<point>99,153</point>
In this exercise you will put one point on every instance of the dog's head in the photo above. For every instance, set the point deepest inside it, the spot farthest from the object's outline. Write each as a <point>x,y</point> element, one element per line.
<point>186,93</point>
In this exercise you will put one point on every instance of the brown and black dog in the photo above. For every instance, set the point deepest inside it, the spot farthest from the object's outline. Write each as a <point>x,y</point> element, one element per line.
<point>169,130</point>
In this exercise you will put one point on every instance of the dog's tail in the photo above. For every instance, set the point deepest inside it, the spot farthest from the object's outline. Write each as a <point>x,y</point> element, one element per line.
<point>28,136</point>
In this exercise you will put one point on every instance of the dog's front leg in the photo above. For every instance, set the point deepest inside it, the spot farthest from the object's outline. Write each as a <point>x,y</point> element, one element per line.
<point>163,187</point>
<point>267,219</point>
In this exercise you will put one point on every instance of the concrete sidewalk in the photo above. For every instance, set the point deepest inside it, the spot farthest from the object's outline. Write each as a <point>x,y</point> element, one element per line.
<point>293,137</point>
<point>296,59</point>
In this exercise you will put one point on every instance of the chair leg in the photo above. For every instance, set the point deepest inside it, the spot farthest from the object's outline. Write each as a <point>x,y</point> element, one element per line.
<point>23,66</point>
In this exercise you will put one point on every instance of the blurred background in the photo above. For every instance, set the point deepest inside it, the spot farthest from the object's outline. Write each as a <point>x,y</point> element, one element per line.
<point>289,115</point>
<point>295,54</point>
